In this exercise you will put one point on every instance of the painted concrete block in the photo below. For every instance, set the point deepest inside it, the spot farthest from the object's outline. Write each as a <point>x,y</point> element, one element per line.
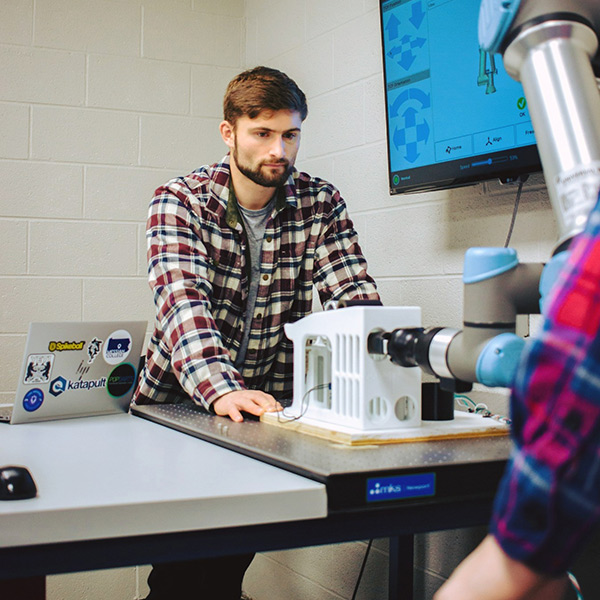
<point>16,25</point>
<point>106,299</point>
<point>44,76</point>
<point>322,17</point>
<point>27,299</point>
<point>231,8</point>
<point>89,26</point>
<point>121,193</point>
<point>13,258</point>
<point>208,88</point>
<point>354,53</point>
<point>336,122</point>
<point>192,37</point>
<point>180,143</point>
<point>84,135</point>
<point>12,349</point>
<point>38,189</point>
<point>139,84</point>
<point>83,249</point>
<point>14,124</point>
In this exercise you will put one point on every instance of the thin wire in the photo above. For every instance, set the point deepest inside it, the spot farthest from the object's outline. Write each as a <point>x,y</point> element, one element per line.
<point>362,568</point>
<point>303,405</point>
<point>575,585</point>
<point>514,215</point>
<point>465,401</point>
<point>480,409</point>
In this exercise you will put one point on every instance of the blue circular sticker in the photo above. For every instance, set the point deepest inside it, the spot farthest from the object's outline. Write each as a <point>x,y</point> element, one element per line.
<point>33,399</point>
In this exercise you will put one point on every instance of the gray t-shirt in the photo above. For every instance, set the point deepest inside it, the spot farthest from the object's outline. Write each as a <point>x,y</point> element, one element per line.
<point>254,222</point>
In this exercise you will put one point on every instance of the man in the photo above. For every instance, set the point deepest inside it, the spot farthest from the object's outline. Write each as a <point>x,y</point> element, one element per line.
<point>548,504</point>
<point>234,250</point>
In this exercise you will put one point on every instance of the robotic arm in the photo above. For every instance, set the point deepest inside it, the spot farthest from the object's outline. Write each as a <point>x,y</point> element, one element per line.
<point>551,46</point>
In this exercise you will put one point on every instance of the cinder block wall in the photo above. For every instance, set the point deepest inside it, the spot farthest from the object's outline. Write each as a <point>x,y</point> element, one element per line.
<point>101,101</point>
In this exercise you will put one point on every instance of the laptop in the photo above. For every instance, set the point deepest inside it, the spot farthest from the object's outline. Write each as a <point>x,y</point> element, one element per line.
<point>75,369</point>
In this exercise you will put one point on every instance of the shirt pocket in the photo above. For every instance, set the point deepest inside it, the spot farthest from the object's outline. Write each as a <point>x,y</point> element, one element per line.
<point>226,268</point>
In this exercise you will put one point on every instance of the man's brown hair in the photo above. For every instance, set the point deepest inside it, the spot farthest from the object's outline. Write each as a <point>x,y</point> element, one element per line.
<point>262,88</point>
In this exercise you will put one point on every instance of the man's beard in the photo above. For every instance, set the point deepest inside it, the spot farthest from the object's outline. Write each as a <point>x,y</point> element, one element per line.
<point>259,177</point>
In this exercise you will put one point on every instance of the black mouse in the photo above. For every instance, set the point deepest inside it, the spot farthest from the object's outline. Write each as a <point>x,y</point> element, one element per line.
<point>16,483</point>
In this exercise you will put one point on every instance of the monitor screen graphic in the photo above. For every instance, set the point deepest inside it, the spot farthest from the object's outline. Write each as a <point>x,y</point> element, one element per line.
<point>454,116</point>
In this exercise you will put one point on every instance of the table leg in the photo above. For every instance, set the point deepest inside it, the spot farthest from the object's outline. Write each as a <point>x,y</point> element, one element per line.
<point>401,567</point>
<point>29,588</point>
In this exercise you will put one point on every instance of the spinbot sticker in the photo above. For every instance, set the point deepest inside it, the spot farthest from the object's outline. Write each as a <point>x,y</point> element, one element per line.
<point>117,347</point>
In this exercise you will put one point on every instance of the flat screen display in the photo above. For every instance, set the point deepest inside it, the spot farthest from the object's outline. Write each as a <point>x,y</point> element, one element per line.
<point>454,116</point>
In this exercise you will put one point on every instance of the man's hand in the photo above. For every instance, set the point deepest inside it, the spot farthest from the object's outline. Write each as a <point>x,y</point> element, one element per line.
<point>250,401</point>
<point>489,574</point>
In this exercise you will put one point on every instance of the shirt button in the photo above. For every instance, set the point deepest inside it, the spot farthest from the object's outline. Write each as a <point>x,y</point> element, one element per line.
<point>268,239</point>
<point>259,316</point>
<point>265,277</point>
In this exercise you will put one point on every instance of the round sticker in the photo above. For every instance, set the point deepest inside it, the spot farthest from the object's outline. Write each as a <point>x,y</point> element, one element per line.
<point>117,347</point>
<point>33,399</point>
<point>120,380</point>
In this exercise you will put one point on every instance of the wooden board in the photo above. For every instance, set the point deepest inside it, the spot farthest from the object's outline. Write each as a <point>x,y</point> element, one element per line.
<point>464,425</point>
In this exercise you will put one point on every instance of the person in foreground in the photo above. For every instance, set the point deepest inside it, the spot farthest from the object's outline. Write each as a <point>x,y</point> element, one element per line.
<point>548,503</point>
<point>234,251</point>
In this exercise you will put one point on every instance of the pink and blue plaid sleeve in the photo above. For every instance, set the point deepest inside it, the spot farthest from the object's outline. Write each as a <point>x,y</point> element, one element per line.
<point>548,503</point>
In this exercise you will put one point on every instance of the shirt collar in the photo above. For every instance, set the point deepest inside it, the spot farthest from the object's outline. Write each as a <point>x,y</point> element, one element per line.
<point>286,194</point>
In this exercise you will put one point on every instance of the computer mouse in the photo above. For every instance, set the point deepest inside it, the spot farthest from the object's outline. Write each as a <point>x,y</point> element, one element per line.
<point>16,483</point>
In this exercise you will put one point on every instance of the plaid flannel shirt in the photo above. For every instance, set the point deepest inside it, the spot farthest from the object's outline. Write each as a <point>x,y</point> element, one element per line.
<point>198,271</point>
<point>549,500</point>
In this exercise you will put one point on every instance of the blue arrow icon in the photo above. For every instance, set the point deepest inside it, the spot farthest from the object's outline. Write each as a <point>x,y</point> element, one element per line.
<point>421,96</point>
<point>411,152</point>
<point>423,132</point>
<point>399,138</point>
<point>410,117</point>
<point>417,15</point>
<point>407,60</point>
<point>393,52</point>
<point>392,27</point>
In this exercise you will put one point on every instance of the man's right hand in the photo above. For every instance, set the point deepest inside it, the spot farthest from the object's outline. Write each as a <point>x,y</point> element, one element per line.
<point>251,401</point>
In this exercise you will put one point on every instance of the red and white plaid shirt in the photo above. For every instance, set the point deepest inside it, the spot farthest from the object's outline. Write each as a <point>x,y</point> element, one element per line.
<point>198,271</point>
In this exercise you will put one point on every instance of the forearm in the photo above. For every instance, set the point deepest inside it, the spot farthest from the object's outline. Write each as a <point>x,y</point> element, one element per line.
<point>490,574</point>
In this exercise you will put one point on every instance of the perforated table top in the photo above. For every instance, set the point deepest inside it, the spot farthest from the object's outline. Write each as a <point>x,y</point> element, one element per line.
<point>469,466</point>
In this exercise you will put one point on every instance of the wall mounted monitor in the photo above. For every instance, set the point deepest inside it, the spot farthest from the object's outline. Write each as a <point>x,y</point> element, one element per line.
<point>454,116</point>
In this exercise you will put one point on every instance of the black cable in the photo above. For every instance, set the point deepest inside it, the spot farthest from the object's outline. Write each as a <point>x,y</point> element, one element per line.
<point>362,568</point>
<point>514,216</point>
<point>303,405</point>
